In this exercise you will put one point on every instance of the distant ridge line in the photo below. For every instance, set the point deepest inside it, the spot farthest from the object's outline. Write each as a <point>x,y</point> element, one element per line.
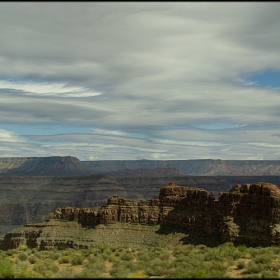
<point>69,165</point>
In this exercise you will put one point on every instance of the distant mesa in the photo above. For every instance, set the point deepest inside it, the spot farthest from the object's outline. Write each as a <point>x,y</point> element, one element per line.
<point>69,165</point>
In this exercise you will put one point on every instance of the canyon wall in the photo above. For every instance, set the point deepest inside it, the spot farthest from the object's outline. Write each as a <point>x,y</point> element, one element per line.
<point>247,214</point>
<point>30,199</point>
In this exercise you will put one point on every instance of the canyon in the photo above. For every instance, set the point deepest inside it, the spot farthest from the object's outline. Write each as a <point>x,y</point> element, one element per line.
<point>247,214</point>
<point>33,187</point>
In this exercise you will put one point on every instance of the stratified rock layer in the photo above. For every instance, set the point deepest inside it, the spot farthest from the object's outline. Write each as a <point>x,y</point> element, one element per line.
<point>248,213</point>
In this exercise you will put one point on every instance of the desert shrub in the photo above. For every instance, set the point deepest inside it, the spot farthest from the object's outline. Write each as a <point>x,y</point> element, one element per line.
<point>65,259</point>
<point>125,256</point>
<point>33,250</point>
<point>164,256</point>
<point>97,264</point>
<point>112,258</point>
<point>276,250</point>
<point>11,252</point>
<point>183,259</point>
<point>41,254</point>
<point>196,273</point>
<point>77,260</point>
<point>66,273</point>
<point>199,247</point>
<point>106,254</point>
<point>216,273</point>
<point>68,251</point>
<point>241,264</point>
<point>269,274</point>
<point>55,255</point>
<point>91,273</point>
<point>214,254</point>
<point>21,271</point>
<point>32,259</point>
<point>22,257</point>
<point>176,272</point>
<point>40,268</point>
<point>23,248</point>
<point>50,265</point>
<point>144,255</point>
<point>217,265</point>
<point>242,248</point>
<point>253,268</point>
<point>119,271</point>
<point>6,269</point>
<point>236,254</point>
<point>156,267</point>
<point>263,258</point>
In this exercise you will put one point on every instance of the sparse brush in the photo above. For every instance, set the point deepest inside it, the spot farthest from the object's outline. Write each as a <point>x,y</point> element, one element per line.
<point>22,257</point>
<point>241,264</point>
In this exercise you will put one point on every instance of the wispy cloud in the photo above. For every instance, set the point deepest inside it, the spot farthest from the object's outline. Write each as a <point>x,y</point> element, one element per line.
<point>46,89</point>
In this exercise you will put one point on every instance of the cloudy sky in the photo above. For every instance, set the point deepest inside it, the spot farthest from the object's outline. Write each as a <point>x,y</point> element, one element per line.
<point>128,80</point>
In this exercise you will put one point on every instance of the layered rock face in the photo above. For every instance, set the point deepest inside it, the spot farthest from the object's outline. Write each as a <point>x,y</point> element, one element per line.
<point>248,213</point>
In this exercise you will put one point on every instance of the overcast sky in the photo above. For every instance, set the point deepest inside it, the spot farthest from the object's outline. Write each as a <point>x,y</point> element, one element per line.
<point>129,80</point>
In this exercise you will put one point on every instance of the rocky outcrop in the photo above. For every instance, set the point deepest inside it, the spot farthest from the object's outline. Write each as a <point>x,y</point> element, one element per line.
<point>28,199</point>
<point>248,213</point>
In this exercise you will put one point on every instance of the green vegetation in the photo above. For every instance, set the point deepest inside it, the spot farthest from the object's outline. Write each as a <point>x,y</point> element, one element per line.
<point>181,261</point>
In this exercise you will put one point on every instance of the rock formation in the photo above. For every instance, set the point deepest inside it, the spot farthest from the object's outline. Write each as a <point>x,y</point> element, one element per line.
<point>248,213</point>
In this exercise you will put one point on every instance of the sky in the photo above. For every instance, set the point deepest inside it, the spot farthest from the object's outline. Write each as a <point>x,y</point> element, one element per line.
<point>140,80</point>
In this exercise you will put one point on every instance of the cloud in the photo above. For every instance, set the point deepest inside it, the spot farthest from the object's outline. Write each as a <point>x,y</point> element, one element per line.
<point>147,80</point>
<point>47,89</point>
<point>8,136</point>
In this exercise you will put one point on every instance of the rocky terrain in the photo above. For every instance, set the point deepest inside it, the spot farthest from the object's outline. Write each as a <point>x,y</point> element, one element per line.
<point>32,187</point>
<point>29,199</point>
<point>247,214</point>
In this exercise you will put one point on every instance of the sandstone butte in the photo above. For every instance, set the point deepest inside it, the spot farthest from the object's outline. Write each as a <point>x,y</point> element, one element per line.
<point>247,214</point>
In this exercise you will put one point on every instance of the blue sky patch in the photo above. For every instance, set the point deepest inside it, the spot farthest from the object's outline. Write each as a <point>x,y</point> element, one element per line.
<point>269,78</point>
<point>44,129</point>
